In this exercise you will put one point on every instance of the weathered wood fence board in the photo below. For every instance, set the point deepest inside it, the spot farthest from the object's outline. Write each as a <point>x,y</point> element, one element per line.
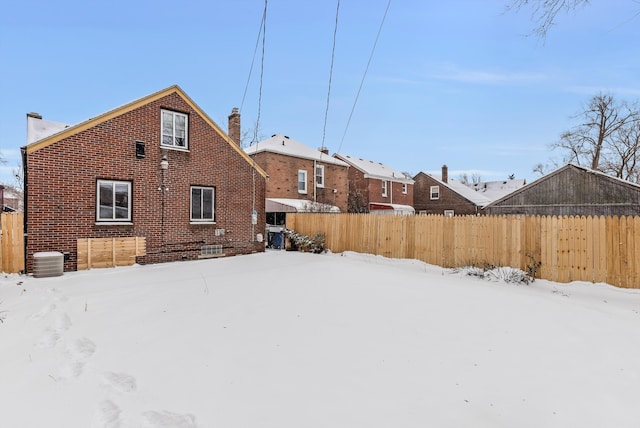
<point>11,242</point>
<point>596,249</point>
<point>109,252</point>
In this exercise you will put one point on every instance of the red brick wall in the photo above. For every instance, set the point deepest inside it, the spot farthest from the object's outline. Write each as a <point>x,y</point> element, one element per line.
<point>448,200</point>
<point>363,190</point>
<point>283,179</point>
<point>61,188</point>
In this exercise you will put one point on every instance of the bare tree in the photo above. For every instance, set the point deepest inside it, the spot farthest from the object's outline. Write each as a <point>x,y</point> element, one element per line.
<point>475,178</point>
<point>545,12</point>
<point>356,202</point>
<point>543,168</point>
<point>607,138</point>
<point>623,161</point>
<point>603,119</point>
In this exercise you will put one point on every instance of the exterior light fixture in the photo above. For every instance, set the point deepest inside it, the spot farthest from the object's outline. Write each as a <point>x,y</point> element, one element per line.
<point>164,163</point>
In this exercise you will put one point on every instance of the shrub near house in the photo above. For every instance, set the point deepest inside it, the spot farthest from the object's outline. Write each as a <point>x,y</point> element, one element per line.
<point>157,168</point>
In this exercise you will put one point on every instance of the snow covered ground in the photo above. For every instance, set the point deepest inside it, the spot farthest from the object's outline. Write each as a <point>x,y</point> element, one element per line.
<point>286,339</point>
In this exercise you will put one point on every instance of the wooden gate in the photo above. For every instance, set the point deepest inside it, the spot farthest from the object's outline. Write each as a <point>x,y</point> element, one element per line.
<point>12,242</point>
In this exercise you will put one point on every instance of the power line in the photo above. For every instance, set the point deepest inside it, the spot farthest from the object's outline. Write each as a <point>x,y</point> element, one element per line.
<point>333,50</point>
<point>264,34</point>
<point>364,75</point>
<point>253,59</point>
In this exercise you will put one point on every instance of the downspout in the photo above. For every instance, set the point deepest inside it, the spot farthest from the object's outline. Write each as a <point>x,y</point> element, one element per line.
<point>25,181</point>
<point>314,181</point>
<point>391,186</point>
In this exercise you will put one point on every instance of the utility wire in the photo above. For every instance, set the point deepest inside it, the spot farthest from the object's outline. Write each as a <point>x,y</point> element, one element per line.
<point>333,50</point>
<point>264,34</point>
<point>253,59</point>
<point>364,75</point>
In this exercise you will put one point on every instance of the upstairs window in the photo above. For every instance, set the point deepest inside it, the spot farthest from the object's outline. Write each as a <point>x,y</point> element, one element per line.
<point>320,175</point>
<point>404,188</point>
<point>302,181</point>
<point>175,129</point>
<point>384,188</point>
<point>435,192</point>
<point>202,204</point>
<point>113,201</point>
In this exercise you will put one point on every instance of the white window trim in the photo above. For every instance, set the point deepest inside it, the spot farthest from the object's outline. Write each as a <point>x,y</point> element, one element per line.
<point>113,220</point>
<point>304,173</point>
<point>384,188</point>
<point>449,213</point>
<point>434,190</point>
<point>213,206</point>
<point>186,130</point>
<point>405,186</point>
<point>321,176</point>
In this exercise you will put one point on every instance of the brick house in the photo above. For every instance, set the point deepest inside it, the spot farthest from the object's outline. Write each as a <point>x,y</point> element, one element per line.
<point>157,167</point>
<point>442,195</point>
<point>375,187</point>
<point>300,176</point>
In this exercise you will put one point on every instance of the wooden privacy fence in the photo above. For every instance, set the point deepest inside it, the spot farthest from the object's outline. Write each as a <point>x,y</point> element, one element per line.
<point>109,252</point>
<point>12,242</point>
<point>595,249</point>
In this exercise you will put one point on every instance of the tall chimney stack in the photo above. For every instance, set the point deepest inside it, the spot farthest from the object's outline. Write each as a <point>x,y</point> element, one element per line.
<point>445,174</point>
<point>234,125</point>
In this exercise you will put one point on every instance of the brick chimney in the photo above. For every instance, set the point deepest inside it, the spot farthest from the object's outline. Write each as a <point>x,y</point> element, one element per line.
<point>445,174</point>
<point>234,125</point>
<point>324,150</point>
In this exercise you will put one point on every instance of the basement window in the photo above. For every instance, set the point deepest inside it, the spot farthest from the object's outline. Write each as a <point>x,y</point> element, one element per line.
<point>207,251</point>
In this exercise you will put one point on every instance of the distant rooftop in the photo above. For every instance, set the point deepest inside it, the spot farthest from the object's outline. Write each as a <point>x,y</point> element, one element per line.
<point>282,144</point>
<point>377,170</point>
<point>495,190</point>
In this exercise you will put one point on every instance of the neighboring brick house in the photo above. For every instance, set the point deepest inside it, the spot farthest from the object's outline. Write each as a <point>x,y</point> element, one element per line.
<point>433,195</point>
<point>157,168</point>
<point>11,199</point>
<point>299,174</point>
<point>374,187</point>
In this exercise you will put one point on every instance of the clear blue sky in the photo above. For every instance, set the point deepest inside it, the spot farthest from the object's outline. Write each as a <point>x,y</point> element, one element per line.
<point>451,82</point>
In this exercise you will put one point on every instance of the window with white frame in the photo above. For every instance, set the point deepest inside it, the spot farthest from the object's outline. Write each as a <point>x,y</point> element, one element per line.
<point>320,175</point>
<point>175,129</point>
<point>384,188</point>
<point>448,213</point>
<point>302,181</point>
<point>113,201</point>
<point>404,188</point>
<point>435,192</point>
<point>202,204</point>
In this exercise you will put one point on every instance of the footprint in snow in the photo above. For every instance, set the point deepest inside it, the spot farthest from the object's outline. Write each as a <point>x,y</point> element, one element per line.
<point>46,310</point>
<point>52,334</point>
<point>107,415</point>
<point>77,355</point>
<point>49,339</point>
<point>120,382</point>
<point>164,419</point>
